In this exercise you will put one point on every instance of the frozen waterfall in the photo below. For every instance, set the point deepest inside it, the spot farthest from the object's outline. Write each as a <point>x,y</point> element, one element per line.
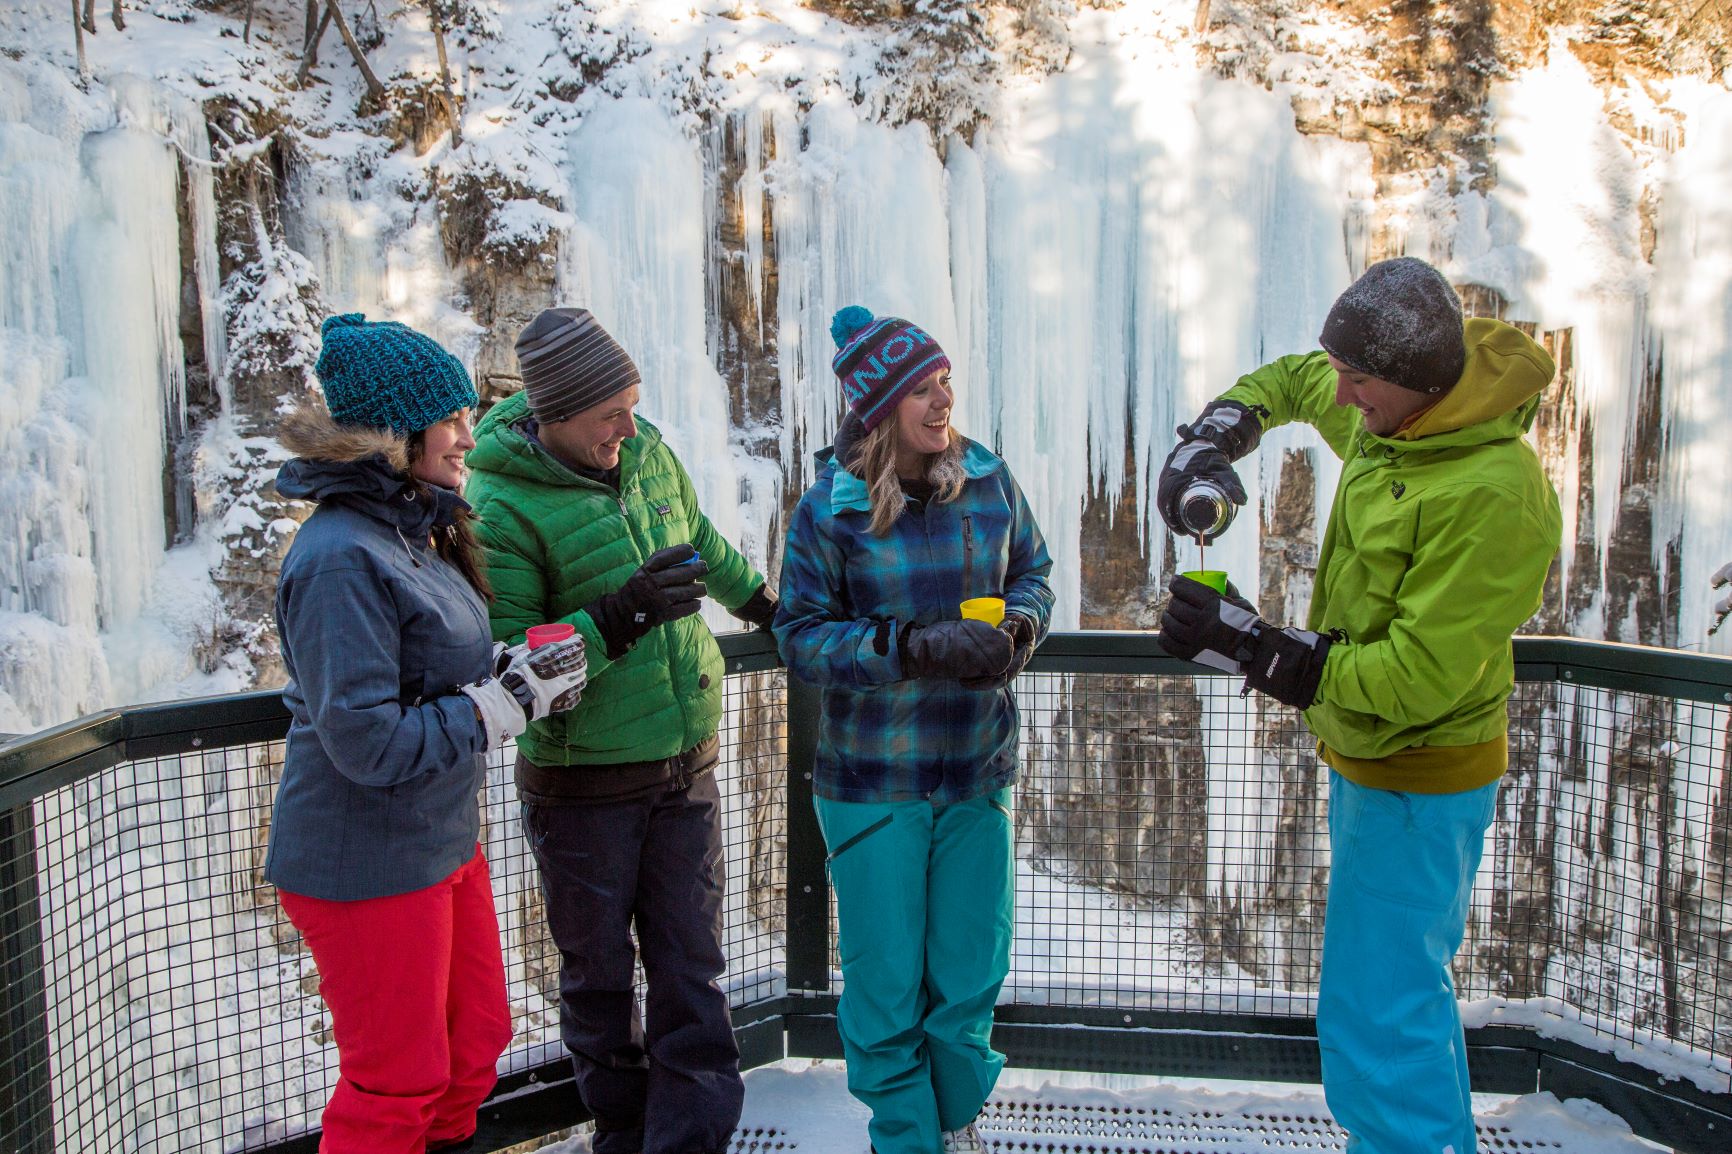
<point>90,188</point>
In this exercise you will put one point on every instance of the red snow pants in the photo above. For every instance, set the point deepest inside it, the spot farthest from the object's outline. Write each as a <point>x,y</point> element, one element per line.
<point>416,989</point>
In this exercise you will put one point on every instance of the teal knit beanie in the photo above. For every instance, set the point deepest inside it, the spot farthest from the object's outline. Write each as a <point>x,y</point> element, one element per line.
<point>385,375</point>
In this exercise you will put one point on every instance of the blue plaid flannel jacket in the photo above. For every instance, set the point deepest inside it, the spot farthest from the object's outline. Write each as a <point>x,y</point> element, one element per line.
<point>883,738</point>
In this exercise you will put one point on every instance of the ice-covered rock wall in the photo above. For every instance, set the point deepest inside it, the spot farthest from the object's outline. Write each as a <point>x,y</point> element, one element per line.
<point>93,188</point>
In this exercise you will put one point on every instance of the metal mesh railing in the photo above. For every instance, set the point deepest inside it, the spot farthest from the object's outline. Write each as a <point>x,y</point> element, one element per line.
<point>1172,856</point>
<point>178,1008</point>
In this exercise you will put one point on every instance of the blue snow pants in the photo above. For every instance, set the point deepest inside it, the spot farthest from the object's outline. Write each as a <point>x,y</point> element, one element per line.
<point>925,901</point>
<point>1401,873</point>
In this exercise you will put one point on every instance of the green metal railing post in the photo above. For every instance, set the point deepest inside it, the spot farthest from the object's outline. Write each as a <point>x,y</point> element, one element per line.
<point>808,885</point>
<point>26,1091</point>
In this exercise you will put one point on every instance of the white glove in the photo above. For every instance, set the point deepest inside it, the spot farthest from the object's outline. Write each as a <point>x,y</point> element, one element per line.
<point>502,715</point>
<point>549,679</point>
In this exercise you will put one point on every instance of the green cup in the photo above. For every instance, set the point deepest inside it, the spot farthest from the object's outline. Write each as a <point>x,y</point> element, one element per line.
<point>1215,579</point>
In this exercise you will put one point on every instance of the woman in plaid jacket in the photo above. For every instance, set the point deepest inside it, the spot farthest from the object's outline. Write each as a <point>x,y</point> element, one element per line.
<point>917,751</point>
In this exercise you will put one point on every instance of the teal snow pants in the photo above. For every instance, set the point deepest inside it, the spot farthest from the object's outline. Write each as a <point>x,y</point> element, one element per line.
<point>1401,873</point>
<point>925,899</point>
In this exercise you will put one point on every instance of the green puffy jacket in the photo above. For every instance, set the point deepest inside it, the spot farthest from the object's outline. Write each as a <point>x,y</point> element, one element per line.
<point>1437,551</point>
<point>555,541</point>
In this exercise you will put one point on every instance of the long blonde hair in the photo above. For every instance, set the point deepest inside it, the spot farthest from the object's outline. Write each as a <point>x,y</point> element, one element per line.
<point>874,461</point>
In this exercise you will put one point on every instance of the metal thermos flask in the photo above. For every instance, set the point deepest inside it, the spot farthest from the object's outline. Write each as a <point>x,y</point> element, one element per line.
<point>1205,510</point>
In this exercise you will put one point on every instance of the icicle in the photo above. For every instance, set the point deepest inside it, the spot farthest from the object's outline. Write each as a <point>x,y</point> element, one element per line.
<point>861,218</point>
<point>93,368</point>
<point>1561,243</point>
<point>1692,324</point>
<point>751,193</point>
<point>636,259</point>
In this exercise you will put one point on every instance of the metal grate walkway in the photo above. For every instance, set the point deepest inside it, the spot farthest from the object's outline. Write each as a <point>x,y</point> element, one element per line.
<point>1019,1127</point>
<point>810,1112</point>
<point>1016,1126</point>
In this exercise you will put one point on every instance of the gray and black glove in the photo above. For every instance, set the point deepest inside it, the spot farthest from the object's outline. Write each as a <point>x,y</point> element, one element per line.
<point>667,587</point>
<point>536,683</point>
<point>1207,627</point>
<point>504,655</point>
<point>759,612</point>
<point>550,678</point>
<point>1021,632</point>
<point>965,649</point>
<point>1206,451</point>
<point>1224,632</point>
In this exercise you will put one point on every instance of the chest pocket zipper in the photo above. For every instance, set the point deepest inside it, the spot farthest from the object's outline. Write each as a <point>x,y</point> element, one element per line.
<point>968,589</point>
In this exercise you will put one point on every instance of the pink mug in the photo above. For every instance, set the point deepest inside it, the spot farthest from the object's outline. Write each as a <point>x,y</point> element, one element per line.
<point>539,635</point>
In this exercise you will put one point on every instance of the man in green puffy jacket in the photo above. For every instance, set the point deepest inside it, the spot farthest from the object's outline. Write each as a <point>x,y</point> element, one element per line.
<point>589,519</point>
<point>1442,531</point>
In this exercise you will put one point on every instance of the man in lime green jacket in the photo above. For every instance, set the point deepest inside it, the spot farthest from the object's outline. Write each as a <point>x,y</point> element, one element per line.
<point>1442,531</point>
<point>588,519</point>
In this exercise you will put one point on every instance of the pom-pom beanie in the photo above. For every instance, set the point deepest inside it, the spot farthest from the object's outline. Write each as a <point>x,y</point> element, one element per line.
<point>1400,322</point>
<point>385,375</point>
<point>879,359</point>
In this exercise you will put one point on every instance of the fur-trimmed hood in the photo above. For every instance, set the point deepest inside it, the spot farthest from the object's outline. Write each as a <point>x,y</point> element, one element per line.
<point>313,433</point>
<point>364,468</point>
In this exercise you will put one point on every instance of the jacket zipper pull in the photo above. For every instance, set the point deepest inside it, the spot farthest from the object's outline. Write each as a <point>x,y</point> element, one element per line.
<point>416,561</point>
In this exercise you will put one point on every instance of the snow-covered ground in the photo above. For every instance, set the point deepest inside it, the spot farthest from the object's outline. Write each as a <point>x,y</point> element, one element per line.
<point>804,1106</point>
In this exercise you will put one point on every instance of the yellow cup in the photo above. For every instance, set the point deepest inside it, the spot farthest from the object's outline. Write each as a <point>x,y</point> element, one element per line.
<point>987,609</point>
<point>1215,579</point>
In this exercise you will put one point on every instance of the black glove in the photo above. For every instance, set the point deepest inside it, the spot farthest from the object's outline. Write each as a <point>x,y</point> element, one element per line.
<point>1225,633</point>
<point>1287,664</point>
<point>667,587</point>
<point>960,649</point>
<point>1021,632</point>
<point>1206,451</point>
<point>759,611</point>
<point>1204,626</point>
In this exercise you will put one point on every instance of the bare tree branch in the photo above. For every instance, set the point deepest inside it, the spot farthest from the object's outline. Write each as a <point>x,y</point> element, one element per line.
<point>437,18</point>
<point>78,32</point>
<point>374,88</point>
<point>315,33</point>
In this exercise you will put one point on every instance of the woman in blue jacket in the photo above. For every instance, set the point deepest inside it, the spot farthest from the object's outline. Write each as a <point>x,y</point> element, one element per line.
<point>396,692</point>
<point>917,748</point>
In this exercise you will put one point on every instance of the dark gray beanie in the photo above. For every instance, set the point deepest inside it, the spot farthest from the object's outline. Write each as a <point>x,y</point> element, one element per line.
<point>1400,322</point>
<point>570,363</point>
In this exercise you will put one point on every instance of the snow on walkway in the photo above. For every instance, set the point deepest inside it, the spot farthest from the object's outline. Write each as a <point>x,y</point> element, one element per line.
<point>803,1107</point>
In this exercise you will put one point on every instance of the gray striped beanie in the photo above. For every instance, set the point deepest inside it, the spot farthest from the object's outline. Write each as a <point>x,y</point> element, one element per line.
<point>570,363</point>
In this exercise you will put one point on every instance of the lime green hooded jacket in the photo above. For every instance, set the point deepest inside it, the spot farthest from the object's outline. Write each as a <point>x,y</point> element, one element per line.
<point>1437,551</point>
<point>556,541</point>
